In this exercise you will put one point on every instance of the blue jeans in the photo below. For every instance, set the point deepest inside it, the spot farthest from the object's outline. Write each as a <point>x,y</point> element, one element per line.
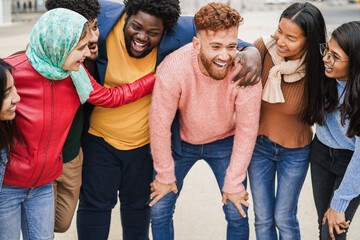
<point>280,209</point>
<point>217,154</point>
<point>28,209</point>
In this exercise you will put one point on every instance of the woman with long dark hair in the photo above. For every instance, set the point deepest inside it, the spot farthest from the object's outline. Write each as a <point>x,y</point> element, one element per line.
<point>335,151</point>
<point>8,100</point>
<point>292,74</point>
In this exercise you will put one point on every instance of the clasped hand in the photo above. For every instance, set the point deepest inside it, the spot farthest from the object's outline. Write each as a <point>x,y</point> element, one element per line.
<point>335,220</point>
<point>159,190</point>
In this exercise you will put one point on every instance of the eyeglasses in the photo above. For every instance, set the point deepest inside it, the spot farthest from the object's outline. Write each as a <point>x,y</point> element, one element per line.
<point>324,51</point>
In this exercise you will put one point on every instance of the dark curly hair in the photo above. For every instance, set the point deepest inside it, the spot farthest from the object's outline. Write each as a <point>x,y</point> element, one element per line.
<point>90,9</point>
<point>167,10</point>
<point>216,16</point>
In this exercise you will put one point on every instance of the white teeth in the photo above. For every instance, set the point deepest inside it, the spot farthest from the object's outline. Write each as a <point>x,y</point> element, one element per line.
<point>220,64</point>
<point>12,109</point>
<point>327,67</point>
<point>140,44</point>
<point>281,49</point>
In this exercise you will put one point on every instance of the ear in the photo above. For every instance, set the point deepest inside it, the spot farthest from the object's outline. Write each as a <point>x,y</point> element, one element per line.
<point>196,44</point>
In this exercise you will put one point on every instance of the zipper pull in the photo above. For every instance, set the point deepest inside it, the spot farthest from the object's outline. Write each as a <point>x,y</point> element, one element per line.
<point>52,82</point>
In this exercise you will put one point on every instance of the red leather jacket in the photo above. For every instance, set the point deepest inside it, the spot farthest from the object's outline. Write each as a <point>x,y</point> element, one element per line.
<point>44,116</point>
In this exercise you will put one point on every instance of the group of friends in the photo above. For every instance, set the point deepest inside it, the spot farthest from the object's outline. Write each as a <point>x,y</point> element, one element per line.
<point>83,120</point>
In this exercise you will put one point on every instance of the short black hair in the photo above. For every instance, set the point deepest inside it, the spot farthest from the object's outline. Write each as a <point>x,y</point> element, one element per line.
<point>167,10</point>
<point>90,9</point>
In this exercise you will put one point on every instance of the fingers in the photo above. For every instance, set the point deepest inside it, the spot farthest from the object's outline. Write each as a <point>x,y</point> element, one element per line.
<point>345,224</point>
<point>236,61</point>
<point>324,219</point>
<point>241,210</point>
<point>247,80</point>
<point>156,196</point>
<point>245,203</point>
<point>331,233</point>
<point>338,230</point>
<point>243,76</point>
<point>155,200</point>
<point>224,200</point>
<point>255,80</point>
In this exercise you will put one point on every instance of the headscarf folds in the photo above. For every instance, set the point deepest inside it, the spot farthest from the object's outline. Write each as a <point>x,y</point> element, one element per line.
<point>51,40</point>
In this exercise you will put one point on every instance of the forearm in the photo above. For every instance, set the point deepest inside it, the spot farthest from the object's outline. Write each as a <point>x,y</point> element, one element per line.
<point>120,95</point>
<point>247,124</point>
<point>164,104</point>
<point>350,184</point>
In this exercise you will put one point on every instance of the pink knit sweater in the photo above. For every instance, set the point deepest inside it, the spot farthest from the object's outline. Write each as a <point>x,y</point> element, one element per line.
<point>209,110</point>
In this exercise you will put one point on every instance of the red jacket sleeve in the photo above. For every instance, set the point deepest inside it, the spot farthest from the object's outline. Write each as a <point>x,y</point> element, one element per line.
<point>122,94</point>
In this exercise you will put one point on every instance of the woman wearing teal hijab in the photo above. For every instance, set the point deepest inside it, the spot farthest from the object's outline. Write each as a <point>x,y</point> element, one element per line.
<point>52,82</point>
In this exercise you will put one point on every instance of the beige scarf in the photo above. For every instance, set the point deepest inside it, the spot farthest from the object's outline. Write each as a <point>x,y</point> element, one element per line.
<point>292,71</point>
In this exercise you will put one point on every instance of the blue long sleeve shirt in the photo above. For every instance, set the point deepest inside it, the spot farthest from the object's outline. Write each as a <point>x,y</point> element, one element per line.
<point>333,134</point>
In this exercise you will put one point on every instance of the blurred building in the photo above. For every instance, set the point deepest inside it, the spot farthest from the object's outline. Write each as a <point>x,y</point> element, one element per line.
<point>5,12</point>
<point>27,5</point>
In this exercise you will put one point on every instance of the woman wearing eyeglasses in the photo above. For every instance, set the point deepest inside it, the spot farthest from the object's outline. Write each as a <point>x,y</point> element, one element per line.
<point>291,75</point>
<point>335,151</point>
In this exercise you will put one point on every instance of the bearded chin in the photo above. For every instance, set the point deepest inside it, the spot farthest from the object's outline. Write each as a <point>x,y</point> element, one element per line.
<point>217,75</point>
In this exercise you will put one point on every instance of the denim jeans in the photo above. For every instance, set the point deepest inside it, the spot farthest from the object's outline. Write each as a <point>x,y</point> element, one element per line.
<point>108,173</point>
<point>328,167</point>
<point>217,154</point>
<point>28,209</point>
<point>277,208</point>
<point>3,161</point>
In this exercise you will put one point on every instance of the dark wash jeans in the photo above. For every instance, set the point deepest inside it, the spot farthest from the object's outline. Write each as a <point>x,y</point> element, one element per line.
<point>328,166</point>
<point>107,172</point>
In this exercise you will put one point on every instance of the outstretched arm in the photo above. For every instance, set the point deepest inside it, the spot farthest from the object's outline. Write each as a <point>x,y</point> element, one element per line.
<point>120,95</point>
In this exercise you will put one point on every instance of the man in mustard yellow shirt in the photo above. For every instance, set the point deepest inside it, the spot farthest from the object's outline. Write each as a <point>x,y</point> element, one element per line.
<point>134,38</point>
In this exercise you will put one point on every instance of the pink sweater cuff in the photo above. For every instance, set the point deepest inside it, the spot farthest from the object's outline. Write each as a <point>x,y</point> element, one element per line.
<point>233,183</point>
<point>165,178</point>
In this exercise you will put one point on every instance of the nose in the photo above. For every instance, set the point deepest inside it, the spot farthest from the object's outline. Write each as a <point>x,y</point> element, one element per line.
<point>224,55</point>
<point>16,98</point>
<point>87,52</point>
<point>326,57</point>
<point>93,37</point>
<point>142,36</point>
<point>280,41</point>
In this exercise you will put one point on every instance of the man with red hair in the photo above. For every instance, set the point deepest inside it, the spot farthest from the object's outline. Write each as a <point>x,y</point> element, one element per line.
<point>218,123</point>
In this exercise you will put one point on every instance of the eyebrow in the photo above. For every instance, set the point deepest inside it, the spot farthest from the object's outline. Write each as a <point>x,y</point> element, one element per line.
<point>8,89</point>
<point>86,44</point>
<point>335,53</point>
<point>292,36</point>
<point>152,29</point>
<point>289,35</point>
<point>219,43</point>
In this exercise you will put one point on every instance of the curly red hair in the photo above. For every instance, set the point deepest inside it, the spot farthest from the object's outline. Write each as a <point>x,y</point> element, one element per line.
<point>216,16</point>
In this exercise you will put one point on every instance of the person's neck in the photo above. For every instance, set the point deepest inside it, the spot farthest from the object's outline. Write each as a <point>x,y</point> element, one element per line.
<point>90,66</point>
